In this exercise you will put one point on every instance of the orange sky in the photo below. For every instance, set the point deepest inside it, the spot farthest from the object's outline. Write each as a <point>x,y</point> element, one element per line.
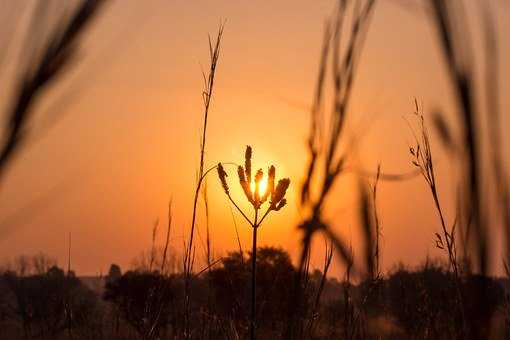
<point>129,138</point>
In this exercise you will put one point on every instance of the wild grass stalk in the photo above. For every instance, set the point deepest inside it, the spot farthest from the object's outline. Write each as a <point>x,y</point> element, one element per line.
<point>328,258</point>
<point>208,250</point>
<point>458,46</point>
<point>377,252</point>
<point>453,31</point>
<point>493,117</point>
<point>167,239</point>
<point>47,59</point>
<point>351,324</point>
<point>214,54</point>
<point>368,230</point>
<point>209,262</point>
<point>152,255</point>
<point>323,144</point>
<point>276,196</point>
<point>239,245</point>
<point>156,303</point>
<point>423,160</point>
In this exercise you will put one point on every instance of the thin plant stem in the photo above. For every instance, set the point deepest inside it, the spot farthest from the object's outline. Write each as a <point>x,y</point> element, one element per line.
<point>423,160</point>
<point>240,211</point>
<point>254,282</point>
<point>207,95</point>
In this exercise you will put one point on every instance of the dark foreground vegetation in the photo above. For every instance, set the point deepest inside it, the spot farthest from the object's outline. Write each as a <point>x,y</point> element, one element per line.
<point>43,301</point>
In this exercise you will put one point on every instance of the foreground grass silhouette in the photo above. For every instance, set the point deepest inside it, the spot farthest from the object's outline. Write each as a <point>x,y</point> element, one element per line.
<point>257,197</point>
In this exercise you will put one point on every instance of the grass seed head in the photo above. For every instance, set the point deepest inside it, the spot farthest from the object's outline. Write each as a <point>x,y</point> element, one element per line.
<point>247,163</point>
<point>244,183</point>
<point>258,178</point>
<point>281,204</point>
<point>223,178</point>
<point>279,193</point>
<point>270,183</point>
<point>254,196</point>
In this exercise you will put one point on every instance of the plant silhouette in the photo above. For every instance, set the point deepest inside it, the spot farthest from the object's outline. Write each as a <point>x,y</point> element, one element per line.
<point>257,199</point>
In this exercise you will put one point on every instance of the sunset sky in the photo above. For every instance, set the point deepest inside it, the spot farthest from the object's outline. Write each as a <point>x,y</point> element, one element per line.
<point>131,112</point>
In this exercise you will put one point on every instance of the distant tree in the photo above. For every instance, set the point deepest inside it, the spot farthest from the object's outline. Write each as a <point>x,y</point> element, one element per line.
<point>41,263</point>
<point>22,265</point>
<point>114,273</point>
<point>144,300</point>
<point>230,283</point>
<point>47,304</point>
<point>479,312</point>
<point>422,301</point>
<point>5,298</point>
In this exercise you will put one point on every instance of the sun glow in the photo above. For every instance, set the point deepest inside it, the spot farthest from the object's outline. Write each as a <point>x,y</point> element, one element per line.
<point>262,188</point>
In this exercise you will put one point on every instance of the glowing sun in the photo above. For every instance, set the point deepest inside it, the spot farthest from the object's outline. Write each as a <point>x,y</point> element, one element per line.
<point>262,186</point>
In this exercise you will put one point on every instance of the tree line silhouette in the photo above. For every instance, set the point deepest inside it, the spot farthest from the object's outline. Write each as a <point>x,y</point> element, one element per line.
<point>143,303</point>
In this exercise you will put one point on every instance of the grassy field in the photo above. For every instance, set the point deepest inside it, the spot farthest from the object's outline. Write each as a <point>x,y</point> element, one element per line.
<point>260,292</point>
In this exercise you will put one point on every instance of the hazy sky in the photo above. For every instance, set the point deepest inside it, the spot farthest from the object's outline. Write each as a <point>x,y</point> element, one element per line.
<point>128,139</point>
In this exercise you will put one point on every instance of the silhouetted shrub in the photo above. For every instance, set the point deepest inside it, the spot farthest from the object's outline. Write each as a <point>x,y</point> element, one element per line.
<point>144,299</point>
<point>47,304</point>
<point>231,284</point>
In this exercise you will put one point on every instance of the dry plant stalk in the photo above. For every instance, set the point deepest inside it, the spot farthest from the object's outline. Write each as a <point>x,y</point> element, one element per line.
<point>378,232</point>
<point>47,59</point>
<point>324,140</point>
<point>152,255</point>
<point>352,325</point>
<point>214,53</point>
<point>457,45</point>
<point>189,253</point>
<point>208,246</point>
<point>324,146</point>
<point>328,258</point>
<point>167,238</point>
<point>422,159</point>
<point>277,201</point>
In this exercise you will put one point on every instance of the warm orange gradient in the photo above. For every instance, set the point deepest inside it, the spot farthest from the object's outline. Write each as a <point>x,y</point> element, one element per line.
<point>129,138</point>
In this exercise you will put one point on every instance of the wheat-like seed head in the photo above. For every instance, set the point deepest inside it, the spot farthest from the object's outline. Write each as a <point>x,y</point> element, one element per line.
<point>223,178</point>
<point>281,204</point>
<point>254,196</point>
<point>270,183</point>
<point>258,177</point>
<point>279,193</point>
<point>244,184</point>
<point>247,163</point>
